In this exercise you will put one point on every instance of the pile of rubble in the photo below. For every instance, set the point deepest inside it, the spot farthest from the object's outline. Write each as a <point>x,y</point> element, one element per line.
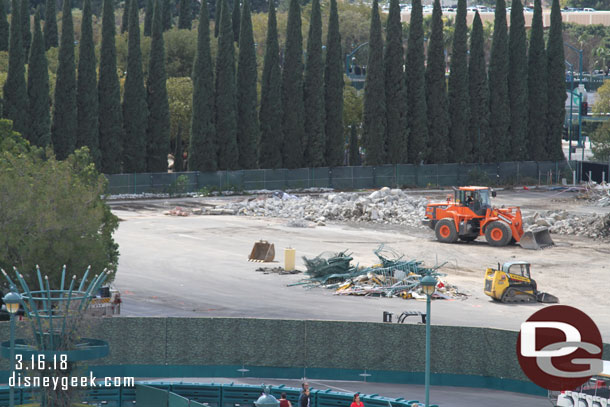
<point>596,226</point>
<point>393,276</point>
<point>599,193</point>
<point>383,206</point>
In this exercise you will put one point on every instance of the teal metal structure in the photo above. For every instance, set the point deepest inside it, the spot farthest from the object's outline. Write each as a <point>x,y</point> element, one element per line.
<point>357,79</point>
<point>51,314</point>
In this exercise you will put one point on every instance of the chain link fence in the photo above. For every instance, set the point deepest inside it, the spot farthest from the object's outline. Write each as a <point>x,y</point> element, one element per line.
<point>343,178</point>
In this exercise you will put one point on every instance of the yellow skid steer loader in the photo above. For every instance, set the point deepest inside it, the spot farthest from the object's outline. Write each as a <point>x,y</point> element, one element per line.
<point>512,283</point>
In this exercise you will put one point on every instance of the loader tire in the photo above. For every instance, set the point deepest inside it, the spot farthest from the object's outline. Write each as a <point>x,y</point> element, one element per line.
<point>445,231</point>
<point>498,234</point>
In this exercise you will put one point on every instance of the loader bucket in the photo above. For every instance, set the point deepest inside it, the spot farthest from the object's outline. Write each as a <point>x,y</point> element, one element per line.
<point>262,251</point>
<point>546,298</point>
<point>538,238</point>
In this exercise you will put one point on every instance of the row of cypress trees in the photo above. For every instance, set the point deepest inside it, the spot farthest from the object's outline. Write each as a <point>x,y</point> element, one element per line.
<point>133,136</point>
<point>409,115</point>
<point>513,110</point>
<point>300,120</point>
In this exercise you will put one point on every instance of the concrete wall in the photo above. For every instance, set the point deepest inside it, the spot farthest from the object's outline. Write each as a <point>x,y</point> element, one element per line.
<point>336,346</point>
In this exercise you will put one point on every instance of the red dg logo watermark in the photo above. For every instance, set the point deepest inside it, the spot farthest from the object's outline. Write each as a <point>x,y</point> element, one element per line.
<point>560,348</point>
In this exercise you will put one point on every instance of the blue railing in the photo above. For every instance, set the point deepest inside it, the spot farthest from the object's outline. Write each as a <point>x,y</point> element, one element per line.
<point>174,394</point>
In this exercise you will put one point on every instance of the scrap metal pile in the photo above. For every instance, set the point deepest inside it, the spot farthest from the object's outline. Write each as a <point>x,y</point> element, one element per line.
<point>393,276</point>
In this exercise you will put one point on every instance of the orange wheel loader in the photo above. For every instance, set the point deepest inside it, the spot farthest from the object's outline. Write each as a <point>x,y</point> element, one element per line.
<point>469,214</point>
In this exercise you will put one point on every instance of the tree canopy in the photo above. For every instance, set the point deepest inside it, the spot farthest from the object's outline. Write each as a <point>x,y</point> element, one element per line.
<point>59,219</point>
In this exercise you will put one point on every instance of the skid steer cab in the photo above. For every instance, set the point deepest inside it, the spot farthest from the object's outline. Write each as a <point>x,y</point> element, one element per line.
<point>469,214</point>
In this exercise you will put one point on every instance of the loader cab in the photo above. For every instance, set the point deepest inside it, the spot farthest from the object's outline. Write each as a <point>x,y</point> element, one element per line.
<point>477,199</point>
<point>519,268</point>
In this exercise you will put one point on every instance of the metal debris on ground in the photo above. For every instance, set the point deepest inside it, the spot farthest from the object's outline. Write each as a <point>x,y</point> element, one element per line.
<point>393,276</point>
<point>277,270</point>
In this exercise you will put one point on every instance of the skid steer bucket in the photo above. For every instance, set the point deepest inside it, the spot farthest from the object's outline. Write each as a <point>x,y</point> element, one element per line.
<point>536,239</point>
<point>263,251</point>
<point>546,298</point>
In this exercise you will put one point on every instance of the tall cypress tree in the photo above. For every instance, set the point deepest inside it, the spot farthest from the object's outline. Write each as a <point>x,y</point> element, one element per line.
<point>110,116</point>
<point>499,106</point>
<point>157,143</point>
<point>436,91</point>
<point>185,18</point>
<point>247,120</point>
<point>396,130</point>
<point>203,148</point>
<point>63,130</point>
<point>125,17</point>
<point>556,85</point>
<point>517,83</point>
<point>235,20</point>
<point>293,120</point>
<point>167,17</point>
<point>14,90</point>
<point>374,96</point>
<point>416,92</point>
<point>458,89</point>
<point>313,92</point>
<point>51,39</point>
<point>26,29</point>
<point>478,91</point>
<point>333,91</point>
<point>148,18</point>
<point>270,113</point>
<point>537,89</point>
<point>4,28</point>
<point>226,120</point>
<point>217,7</point>
<point>86,90</point>
<point>39,120</point>
<point>135,110</point>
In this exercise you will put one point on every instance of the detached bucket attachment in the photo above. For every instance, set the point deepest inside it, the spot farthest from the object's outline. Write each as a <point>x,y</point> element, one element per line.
<point>546,298</point>
<point>262,252</point>
<point>538,238</point>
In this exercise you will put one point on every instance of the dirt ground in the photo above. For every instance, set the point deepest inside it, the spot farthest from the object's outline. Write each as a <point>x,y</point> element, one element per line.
<point>196,265</point>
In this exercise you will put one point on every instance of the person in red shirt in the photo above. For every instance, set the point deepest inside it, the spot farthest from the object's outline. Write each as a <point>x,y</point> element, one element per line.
<point>356,401</point>
<point>284,402</point>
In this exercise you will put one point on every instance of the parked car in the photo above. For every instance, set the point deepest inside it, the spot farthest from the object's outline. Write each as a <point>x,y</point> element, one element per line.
<point>588,9</point>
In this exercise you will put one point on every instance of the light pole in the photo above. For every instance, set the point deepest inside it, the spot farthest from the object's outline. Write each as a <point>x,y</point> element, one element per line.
<point>579,59</point>
<point>12,301</point>
<point>428,284</point>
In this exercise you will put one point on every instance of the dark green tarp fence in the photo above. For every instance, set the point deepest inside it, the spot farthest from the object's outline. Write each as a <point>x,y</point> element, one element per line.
<point>342,178</point>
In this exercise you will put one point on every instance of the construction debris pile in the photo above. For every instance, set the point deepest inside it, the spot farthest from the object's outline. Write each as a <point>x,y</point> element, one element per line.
<point>383,206</point>
<point>179,211</point>
<point>598,193</point>
<point>393,276</point>
<point>596,226</point>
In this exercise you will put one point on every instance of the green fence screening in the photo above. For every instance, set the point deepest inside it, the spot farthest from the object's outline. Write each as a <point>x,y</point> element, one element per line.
<point>342,178</point>
<point>151,396</point>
